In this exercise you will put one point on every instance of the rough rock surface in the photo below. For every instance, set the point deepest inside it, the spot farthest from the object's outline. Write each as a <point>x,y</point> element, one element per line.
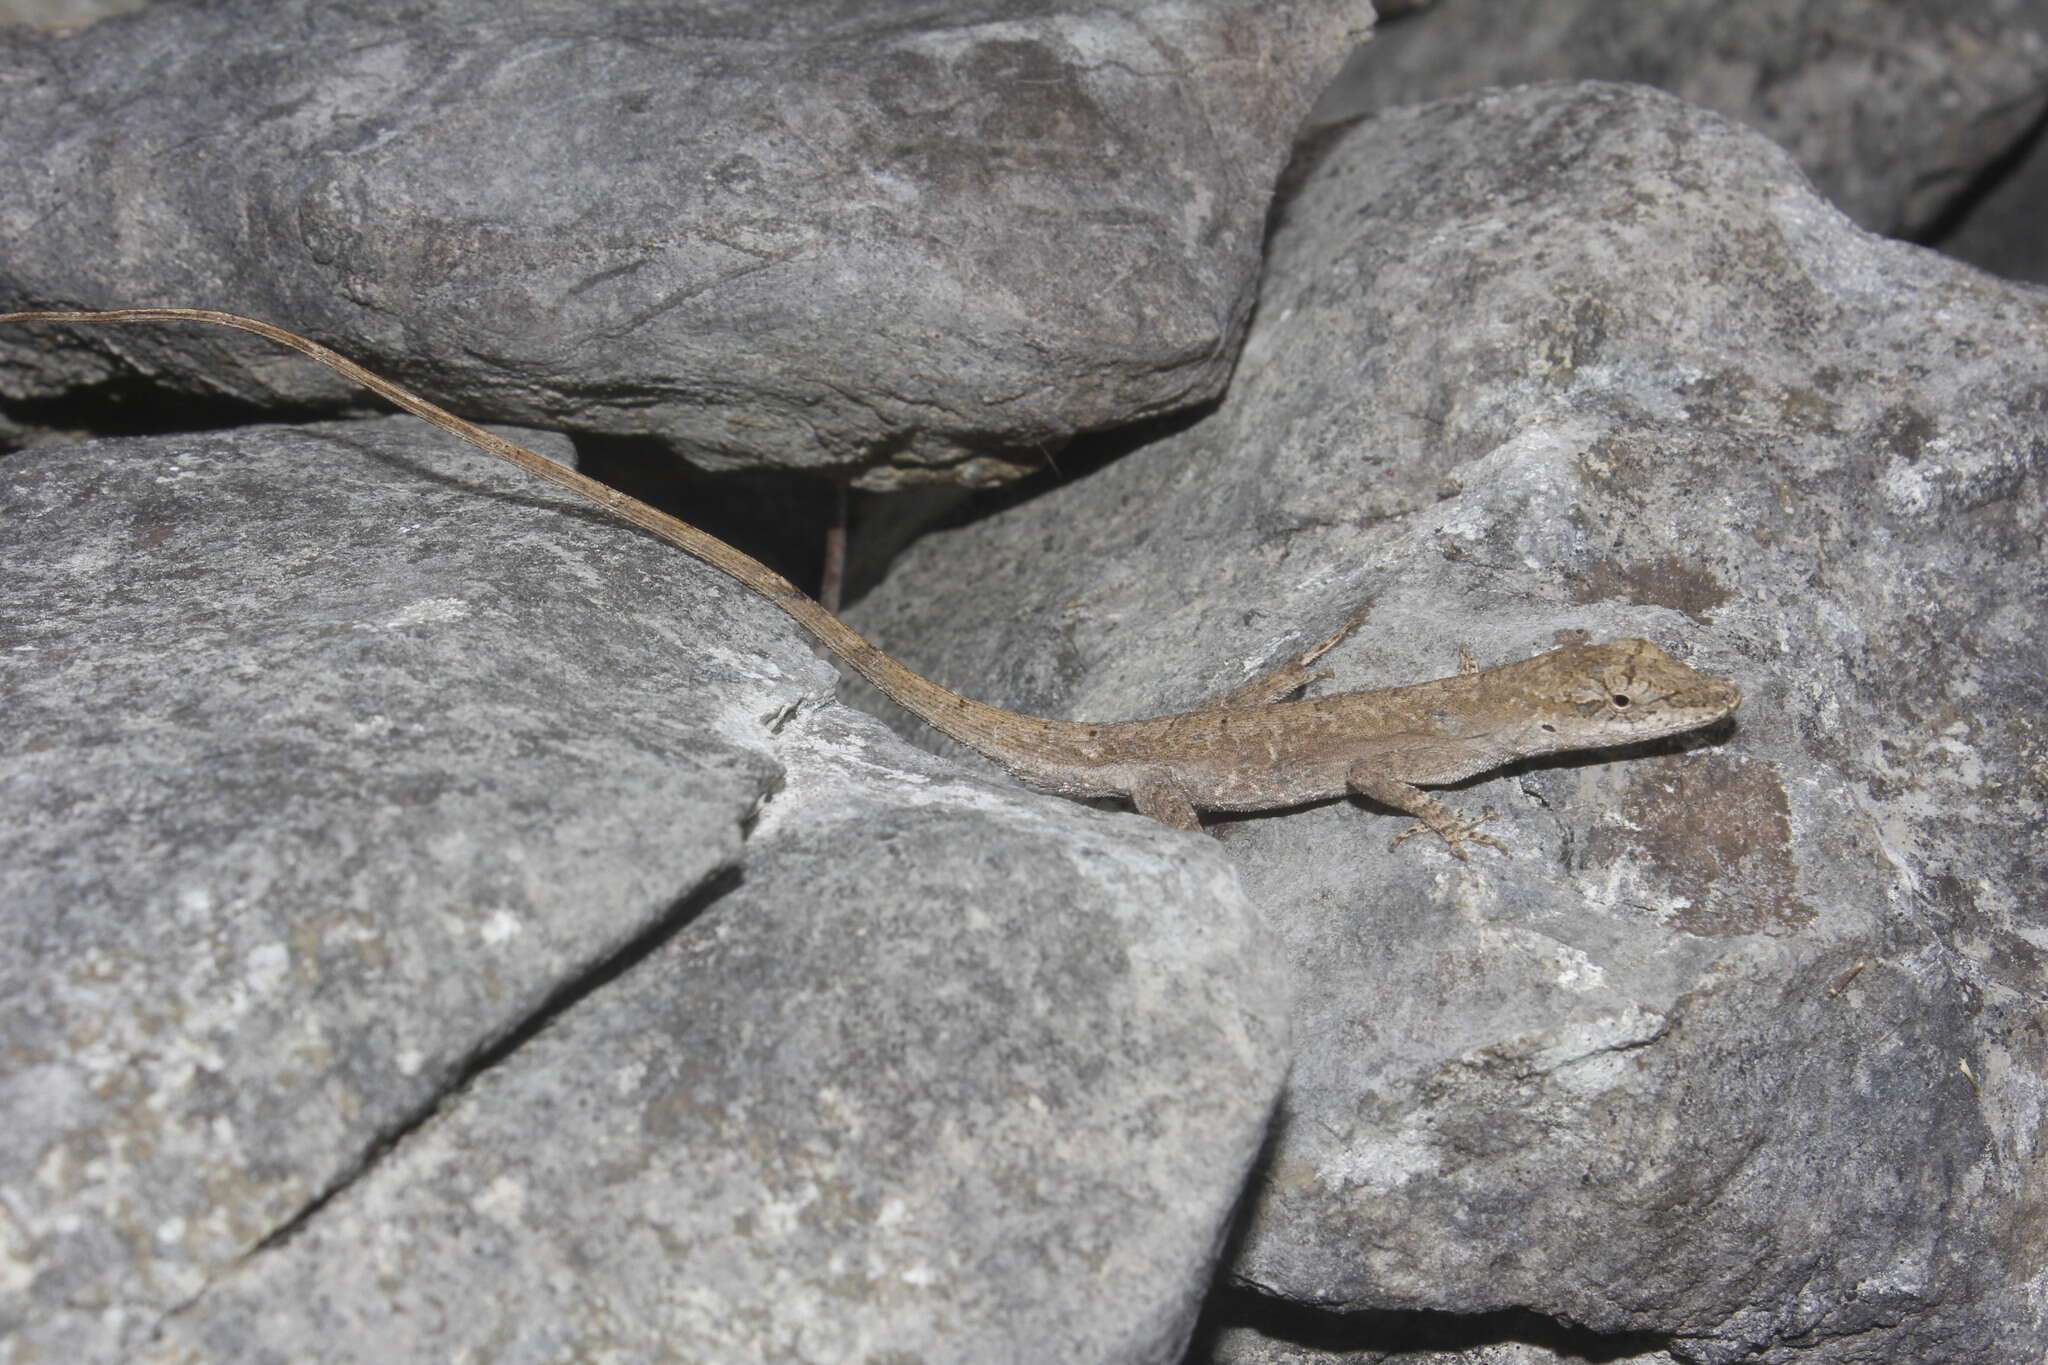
<point>870,239</point>
<point>1740,1050</point>
<point>916,1083</point>
<point>1890,105</point>
<point>336,764</point>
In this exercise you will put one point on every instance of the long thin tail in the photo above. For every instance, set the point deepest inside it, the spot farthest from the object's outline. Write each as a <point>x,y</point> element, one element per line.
<point>1009,738</point>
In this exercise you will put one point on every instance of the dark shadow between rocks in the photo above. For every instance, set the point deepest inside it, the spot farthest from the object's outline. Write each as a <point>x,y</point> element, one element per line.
<point>778,517</point>
<point>1221,1287</point>
<point>136,406</point>
<point>1958,211</point>
<point>885,523</point>
<point>1232,1304</point>
<point>1394,1332</point>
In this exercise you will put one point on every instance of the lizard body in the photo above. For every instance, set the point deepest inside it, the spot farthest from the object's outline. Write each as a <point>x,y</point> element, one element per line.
<point>1248,750</point>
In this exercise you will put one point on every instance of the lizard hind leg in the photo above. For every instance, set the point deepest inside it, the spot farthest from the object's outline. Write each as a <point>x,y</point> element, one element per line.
<point>1157,796</point>
<point>1430,814</point>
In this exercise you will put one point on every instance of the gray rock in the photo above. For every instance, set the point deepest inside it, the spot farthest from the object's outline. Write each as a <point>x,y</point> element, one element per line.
<point>299,821</point>
<point>936,1082</point>
<point>337,764</point>
<point>881,242</point>
<point>1892,106</point>
<point>1740,1047</point>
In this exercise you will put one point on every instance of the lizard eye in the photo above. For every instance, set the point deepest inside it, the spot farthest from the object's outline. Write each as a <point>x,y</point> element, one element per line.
<point>1620,702</point>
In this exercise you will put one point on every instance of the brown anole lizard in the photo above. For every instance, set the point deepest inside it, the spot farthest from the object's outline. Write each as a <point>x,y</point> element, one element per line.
<point>1246,750</point>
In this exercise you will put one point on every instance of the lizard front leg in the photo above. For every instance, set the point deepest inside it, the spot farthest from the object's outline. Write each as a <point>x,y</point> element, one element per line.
<point>1430,813</point>
<point>1277,684</point>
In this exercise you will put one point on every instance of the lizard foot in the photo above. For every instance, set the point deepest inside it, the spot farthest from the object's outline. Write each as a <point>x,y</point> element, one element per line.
<point>1456,833</point>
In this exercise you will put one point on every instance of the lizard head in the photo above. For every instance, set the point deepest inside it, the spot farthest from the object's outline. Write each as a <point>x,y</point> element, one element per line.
<point>1593,696</point>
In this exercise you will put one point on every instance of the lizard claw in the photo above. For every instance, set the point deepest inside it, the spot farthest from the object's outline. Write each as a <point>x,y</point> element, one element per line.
<point>1455,834</point>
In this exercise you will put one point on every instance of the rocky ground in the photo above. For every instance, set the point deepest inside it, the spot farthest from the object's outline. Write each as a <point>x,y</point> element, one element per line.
<point>439,923</point>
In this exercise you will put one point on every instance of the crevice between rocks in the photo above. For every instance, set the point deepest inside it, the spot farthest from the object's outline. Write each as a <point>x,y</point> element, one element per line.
<point>566,995</point>
<point>1990,177</point>
<point>1394,1331</point>
<point>1234,1303</point>
<point>137,405</point>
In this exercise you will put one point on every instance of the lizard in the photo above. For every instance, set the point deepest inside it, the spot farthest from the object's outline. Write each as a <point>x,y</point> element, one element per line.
<point>1256,747</point>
